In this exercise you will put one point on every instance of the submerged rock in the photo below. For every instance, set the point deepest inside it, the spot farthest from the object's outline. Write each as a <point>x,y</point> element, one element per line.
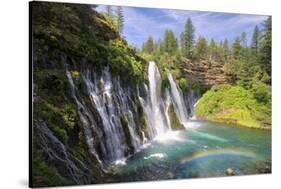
<point>263,167</point>
<point>229,172</point>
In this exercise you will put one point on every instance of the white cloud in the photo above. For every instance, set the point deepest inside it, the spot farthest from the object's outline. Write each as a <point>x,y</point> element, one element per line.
<point>139,24</point>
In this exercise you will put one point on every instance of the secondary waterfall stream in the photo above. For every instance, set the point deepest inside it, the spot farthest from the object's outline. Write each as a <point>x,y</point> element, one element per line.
<point>110,117</point>
<point>178,100</point>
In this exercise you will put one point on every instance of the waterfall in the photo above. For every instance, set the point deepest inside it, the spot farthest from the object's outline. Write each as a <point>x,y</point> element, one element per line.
<point>177,100</point>
<point>191,99</point>
<point>111,104</point>
<point>108,112</point>
<point>86,119</point>
<point>154,105</point>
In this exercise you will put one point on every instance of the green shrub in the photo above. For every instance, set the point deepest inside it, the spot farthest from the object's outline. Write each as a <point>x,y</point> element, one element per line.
<point>234,104</point>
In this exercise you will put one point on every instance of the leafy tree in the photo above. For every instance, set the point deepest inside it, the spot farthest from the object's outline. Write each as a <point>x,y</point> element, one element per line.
<point>119,19</point>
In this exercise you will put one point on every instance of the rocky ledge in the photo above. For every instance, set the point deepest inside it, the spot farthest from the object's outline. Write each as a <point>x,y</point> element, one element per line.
<point>205,73</point>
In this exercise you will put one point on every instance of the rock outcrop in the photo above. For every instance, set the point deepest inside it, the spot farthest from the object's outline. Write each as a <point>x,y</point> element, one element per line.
<point>205,73</point>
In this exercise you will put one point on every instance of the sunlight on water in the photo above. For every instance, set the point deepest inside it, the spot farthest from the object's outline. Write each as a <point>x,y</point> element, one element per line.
<point>157,155</point>
<point>209,136</point>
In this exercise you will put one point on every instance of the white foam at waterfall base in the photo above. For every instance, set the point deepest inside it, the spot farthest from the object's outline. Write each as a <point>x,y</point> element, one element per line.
<point>121,161</point>
<point>170,137</point>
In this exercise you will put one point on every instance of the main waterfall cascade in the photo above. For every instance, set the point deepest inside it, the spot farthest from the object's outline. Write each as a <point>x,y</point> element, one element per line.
<point>111,130</point>
<point>153,105</point>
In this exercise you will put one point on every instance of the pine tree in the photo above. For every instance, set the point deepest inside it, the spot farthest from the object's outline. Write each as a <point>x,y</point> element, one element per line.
<point>225,55</point>
<point>170,42</point>
<point>266,46</point>
<point>119,19</point>
<point>244,39</point>
<point>183,43</point>
<point>109,11</point>
<point>213,48</point>
<point>189,34</point>
<point>255,44</point>
<point>244,50</point>
<point>201,48</point>
<point>148,47</point>
<point>236,49</point>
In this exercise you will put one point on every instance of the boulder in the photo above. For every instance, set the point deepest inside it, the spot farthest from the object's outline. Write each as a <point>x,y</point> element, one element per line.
<point>229,172</point>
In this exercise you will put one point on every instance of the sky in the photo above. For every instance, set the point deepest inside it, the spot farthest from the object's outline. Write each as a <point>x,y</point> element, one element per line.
<point>139,23</point>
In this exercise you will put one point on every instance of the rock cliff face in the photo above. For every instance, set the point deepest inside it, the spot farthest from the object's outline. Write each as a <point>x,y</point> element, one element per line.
<point>205,73</point>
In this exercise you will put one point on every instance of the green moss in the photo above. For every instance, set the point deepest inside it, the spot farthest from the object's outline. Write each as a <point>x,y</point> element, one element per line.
<point>144,125</point>
<point>182,83</point>
<point>75,74</point>
<point>175,122</point>
<point>53,116</point>
<point>45,175</point>
<point>70,115</point>
<point>234,104</point>
<point>130,148</point>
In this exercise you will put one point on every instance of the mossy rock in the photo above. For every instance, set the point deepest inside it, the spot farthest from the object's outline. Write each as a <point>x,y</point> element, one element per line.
<point>128,139</point>
<point>175,122</point>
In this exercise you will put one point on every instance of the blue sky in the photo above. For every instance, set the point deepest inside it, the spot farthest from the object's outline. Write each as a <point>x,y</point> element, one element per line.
<point>140,23</point>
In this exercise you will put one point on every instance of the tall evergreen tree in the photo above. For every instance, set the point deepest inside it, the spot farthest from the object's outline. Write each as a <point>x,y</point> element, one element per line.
<point>109,11</point>
<point>213,48</point>
<point>225,51</point>
<point>236,49</point>
<point>189,34</point>
<point>170,42</point>
<point>244,50</point>
<point>243,39</point>
<point>255,43</point>
<point>266,46</point>
<point>148,47</point>
<point>119,19</point>
<point>201,48</point>
<point>183,43</point>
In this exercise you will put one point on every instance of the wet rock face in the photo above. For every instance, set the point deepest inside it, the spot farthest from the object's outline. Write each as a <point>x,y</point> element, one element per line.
<point>205,73</point>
